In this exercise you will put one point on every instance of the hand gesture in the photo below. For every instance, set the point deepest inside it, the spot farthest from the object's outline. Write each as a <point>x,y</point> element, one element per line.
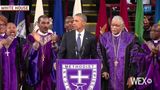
<point>54,38</point>
<point>154,51</point>
<point>36,36</point>
<point>4,42</point>
<point>129,83</point>
<point>105,75</point>
<point>103,29</point>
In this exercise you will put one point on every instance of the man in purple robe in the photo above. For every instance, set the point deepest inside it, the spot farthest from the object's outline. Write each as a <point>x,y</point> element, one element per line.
<point>39,54</point>
<point>115,44</point>
<point>10,56</point>
<point>3,24</point>
<point>150,68</point>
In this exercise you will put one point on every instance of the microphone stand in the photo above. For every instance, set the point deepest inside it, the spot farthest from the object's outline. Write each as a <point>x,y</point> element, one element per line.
<point>79,53</point>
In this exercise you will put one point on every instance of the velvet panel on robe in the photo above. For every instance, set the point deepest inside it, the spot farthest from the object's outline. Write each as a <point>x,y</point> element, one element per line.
<point>116,80</point>
<point>40,73</point>
<point>10,66</point>
<point>102,55</point>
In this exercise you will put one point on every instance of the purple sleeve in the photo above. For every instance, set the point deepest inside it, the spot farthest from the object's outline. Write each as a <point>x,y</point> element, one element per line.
<point>30,61</point>
<point>53,73</point>
<point>33,75</point>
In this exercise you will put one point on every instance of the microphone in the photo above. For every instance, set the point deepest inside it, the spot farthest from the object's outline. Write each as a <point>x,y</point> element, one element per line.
<point>82,51</point>
<point>79,53</point>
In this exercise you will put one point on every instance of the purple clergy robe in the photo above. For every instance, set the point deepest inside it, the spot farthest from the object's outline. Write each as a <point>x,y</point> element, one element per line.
<point>40,69</point>
<point>9,69</point>
<point>2,37</point>
<point>150,67</point>
<point>116,80</point>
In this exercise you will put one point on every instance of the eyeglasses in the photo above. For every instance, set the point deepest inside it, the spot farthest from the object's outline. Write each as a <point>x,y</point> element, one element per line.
<point>2,25</point>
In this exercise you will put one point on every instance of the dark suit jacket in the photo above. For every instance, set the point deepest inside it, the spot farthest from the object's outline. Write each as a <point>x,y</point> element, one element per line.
<point>68,48</point>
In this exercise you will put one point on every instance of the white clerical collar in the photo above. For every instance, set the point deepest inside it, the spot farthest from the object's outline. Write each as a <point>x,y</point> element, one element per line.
<point>2,34</point>
<point>117,34</point>
<point>81,36</point>
<point>42,34</point>
<point>156,41</point>
<point>50,31</point>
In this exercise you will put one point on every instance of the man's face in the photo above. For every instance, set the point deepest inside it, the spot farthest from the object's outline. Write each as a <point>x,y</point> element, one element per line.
<point>146,23</point>
<point>2,27</point>
<point>116,26</point>
<point>155,34</point>
<point>68,24</point>
<point>78,23</point>
<point>44,25</point>
<point>11,29</point>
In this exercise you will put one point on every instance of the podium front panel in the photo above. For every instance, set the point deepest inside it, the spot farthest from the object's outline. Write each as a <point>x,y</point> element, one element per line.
<point>78,74</point>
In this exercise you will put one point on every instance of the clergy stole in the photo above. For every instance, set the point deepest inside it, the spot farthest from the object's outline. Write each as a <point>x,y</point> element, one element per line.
<point>44,41</point>
<point>9,40</point>
<point>116,42</point>
<point>116,46</point>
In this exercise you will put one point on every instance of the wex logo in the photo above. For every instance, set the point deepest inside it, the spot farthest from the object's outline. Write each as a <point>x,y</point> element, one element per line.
<point>141,81</point>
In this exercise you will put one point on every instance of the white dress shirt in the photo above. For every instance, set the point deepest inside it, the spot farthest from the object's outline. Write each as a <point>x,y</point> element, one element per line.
<point>82,35</point>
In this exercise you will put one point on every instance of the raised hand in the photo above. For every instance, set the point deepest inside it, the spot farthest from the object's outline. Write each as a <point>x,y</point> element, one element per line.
<point>36,36</point>
<point>105,75</point>
<point>103,29</point>
<point>3,42</point>
<point>54,38</point>
<point>154,51</point>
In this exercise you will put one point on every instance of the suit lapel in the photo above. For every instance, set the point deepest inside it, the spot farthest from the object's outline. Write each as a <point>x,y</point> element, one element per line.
<point>85,40</point>
<point>74,36</point>
<point>74,39</point>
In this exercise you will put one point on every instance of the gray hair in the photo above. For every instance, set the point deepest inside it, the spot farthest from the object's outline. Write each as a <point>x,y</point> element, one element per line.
<point>120,19</point>
<point>84,17</point>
